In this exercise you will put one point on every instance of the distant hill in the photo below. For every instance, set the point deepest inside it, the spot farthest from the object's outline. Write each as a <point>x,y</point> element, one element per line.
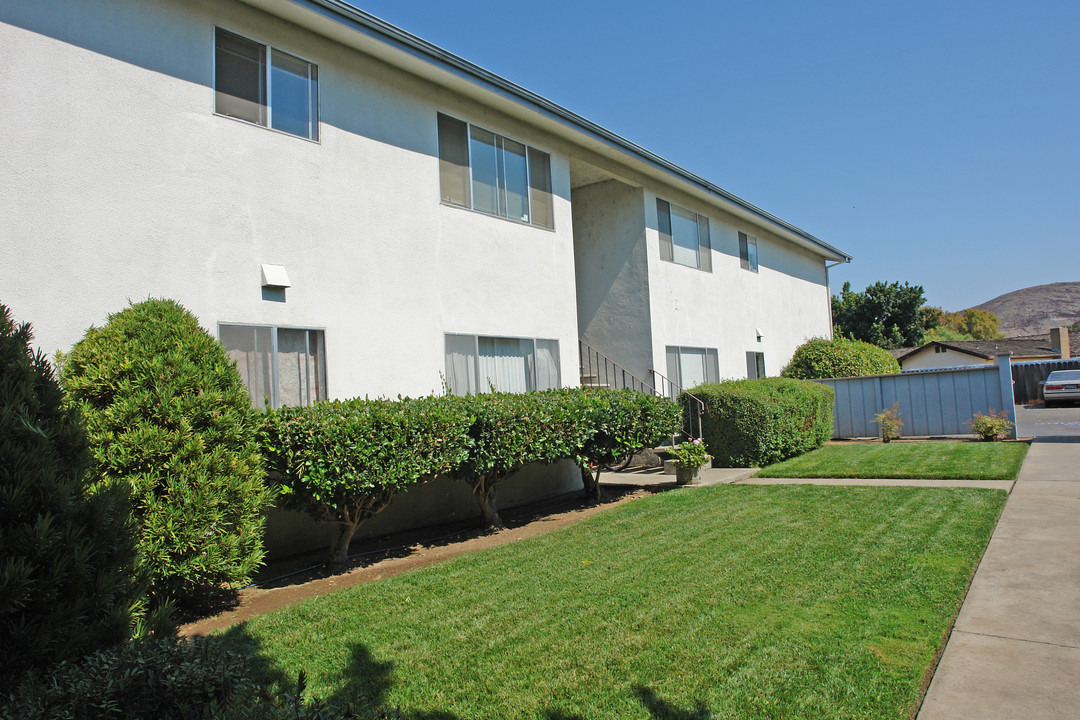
<point>1034,310</point>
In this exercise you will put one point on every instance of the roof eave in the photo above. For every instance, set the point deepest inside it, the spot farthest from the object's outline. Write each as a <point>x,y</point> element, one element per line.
<point>415,47</point>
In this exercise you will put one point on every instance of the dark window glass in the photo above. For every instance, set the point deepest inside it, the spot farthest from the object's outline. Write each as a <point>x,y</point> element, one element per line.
<point>239,78</point>
<point>453,160</point>
<point>543,211</point>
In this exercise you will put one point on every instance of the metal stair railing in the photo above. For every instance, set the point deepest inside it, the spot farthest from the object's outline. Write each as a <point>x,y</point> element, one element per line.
<point>695,406</point>
<point>599,371</point>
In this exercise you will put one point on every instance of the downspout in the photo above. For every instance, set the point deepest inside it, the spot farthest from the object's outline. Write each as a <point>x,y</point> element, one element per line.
<point>828,291</point>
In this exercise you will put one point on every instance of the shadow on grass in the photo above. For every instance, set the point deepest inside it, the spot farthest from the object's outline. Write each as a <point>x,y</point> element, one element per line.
<point>364,682</point>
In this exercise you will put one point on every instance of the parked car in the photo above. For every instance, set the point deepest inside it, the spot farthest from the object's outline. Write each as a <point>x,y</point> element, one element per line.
<point>1060,386</point>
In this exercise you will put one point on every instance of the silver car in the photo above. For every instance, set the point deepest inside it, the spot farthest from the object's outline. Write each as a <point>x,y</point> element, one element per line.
<point>1060,386</point>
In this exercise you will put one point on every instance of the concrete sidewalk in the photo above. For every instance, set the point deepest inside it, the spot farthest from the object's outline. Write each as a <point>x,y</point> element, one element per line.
<point>1015,649</point>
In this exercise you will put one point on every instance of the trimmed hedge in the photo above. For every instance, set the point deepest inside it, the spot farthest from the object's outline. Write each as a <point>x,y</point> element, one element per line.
<point>342,462</point>
<point>823,358</point>
<point>508,431</point>
<point>621,422</point>
<point>168,417</point>
<point>752,423</point>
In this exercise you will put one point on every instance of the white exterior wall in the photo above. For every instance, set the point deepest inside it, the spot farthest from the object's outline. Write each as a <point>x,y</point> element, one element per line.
<point>788,298</point>
<point>120,183</point>
<point>928,359</point>
<point>613,274</point>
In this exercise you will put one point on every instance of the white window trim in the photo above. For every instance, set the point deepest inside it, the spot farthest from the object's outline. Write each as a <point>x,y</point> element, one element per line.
<point>517,221</point>
<point>269,92</point>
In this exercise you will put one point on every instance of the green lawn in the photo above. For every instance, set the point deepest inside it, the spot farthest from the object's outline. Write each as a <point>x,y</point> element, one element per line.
<point>930,460</point>
<point>718,602</point>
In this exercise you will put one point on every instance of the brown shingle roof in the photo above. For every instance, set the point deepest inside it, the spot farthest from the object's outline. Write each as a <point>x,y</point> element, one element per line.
<point>1034,347</point>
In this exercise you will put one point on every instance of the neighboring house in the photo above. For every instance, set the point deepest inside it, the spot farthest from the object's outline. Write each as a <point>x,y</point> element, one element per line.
<point>354,211</point>
<point>962,353</point>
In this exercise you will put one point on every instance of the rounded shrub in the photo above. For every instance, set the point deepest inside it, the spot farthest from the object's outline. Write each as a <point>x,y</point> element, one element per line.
<point>748,423</point>
<point>167,416</point>
<point>67,573</point>
<point>823,358</point>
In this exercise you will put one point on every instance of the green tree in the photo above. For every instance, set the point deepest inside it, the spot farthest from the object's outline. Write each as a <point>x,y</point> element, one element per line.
<point>889,315</point>
<point>67,577</point>
<point>823,358</point>
<point>168,417</point>
<point>971,324</point>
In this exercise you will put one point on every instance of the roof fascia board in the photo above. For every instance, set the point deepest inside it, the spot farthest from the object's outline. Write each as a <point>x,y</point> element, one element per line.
<point>422,53</point>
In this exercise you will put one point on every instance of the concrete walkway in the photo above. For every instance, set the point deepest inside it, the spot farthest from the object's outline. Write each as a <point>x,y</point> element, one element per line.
<point>1015,649</point>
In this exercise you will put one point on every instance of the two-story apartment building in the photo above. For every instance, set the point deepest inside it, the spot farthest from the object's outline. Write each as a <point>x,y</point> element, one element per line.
<point>356,211</point>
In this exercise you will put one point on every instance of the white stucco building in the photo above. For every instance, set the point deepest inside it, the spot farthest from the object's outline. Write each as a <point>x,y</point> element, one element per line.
<point>354,211</point>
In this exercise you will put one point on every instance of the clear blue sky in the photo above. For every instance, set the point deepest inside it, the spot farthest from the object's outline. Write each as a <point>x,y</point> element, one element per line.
<point>937,142</point>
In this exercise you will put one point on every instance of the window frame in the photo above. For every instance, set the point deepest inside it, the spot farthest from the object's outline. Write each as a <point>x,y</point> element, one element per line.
<point>481,389</point>
<point>322,393</point>
<point>755,360</point>
<point>712,364</point>
<point>745,261</point>
<point>665,210</point>
<point>498,143</point>
<point>267,68</point>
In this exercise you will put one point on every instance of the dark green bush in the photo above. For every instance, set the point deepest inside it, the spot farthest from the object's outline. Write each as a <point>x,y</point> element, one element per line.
<point>157,679</point>
<point>67,573</point>
<point>750,423</point>
<point>342,462</point>
<point>168,417</point>
<point>509,431</point>
<point>620,423</point>
<point>822,358</point>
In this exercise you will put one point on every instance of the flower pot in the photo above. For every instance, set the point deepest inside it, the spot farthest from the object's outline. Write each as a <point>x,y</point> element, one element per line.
<point>687,474</point>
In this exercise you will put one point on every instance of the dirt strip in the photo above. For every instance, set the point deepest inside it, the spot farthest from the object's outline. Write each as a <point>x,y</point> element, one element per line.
<point>420,549</point>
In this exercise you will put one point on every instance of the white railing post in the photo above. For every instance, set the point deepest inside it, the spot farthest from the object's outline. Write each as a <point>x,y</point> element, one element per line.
<point>1005,380</point>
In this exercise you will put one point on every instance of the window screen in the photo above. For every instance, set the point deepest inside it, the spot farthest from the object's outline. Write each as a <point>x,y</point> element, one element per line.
<point>239,77</point>
<point>453,160</point>
<point>748,252</point>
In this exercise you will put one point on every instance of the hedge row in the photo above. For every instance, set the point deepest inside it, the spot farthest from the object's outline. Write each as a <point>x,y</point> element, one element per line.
<point>752,423</point>
<point>342,462</point>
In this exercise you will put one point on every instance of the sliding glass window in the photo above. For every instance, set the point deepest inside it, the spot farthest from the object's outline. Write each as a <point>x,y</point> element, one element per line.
<point>479,363</point>
<point>493,174</point>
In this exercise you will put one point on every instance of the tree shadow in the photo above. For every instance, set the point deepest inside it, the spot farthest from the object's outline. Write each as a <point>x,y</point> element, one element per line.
<point>363,684</point>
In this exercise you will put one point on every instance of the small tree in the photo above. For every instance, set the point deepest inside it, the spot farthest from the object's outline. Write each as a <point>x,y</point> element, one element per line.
<point>620,423</point>
<point>343,462</point>
<point>67,578</point>
<point>169,419</point>
<point>823,358</point>
<point>509,431</point>
<point>891,421</point>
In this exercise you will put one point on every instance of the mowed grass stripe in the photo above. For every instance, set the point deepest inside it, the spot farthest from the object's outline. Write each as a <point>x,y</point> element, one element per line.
<point>923,460</point>
<point>736,601</point>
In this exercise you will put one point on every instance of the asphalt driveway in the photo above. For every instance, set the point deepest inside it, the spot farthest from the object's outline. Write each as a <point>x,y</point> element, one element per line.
<point>1041,422</point>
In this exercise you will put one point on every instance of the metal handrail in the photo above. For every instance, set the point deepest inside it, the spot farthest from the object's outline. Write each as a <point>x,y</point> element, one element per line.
<point>693,402</point>
<point>601,368</point>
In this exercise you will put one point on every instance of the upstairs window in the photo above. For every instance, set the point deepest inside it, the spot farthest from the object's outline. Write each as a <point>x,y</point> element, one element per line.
<point>494,174</point>
<point>261,85</point>
<point>684,236</point>
<point>286,366</point>
<point>477,363</point>
<point>689,367</point>
<point>748,252</point>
